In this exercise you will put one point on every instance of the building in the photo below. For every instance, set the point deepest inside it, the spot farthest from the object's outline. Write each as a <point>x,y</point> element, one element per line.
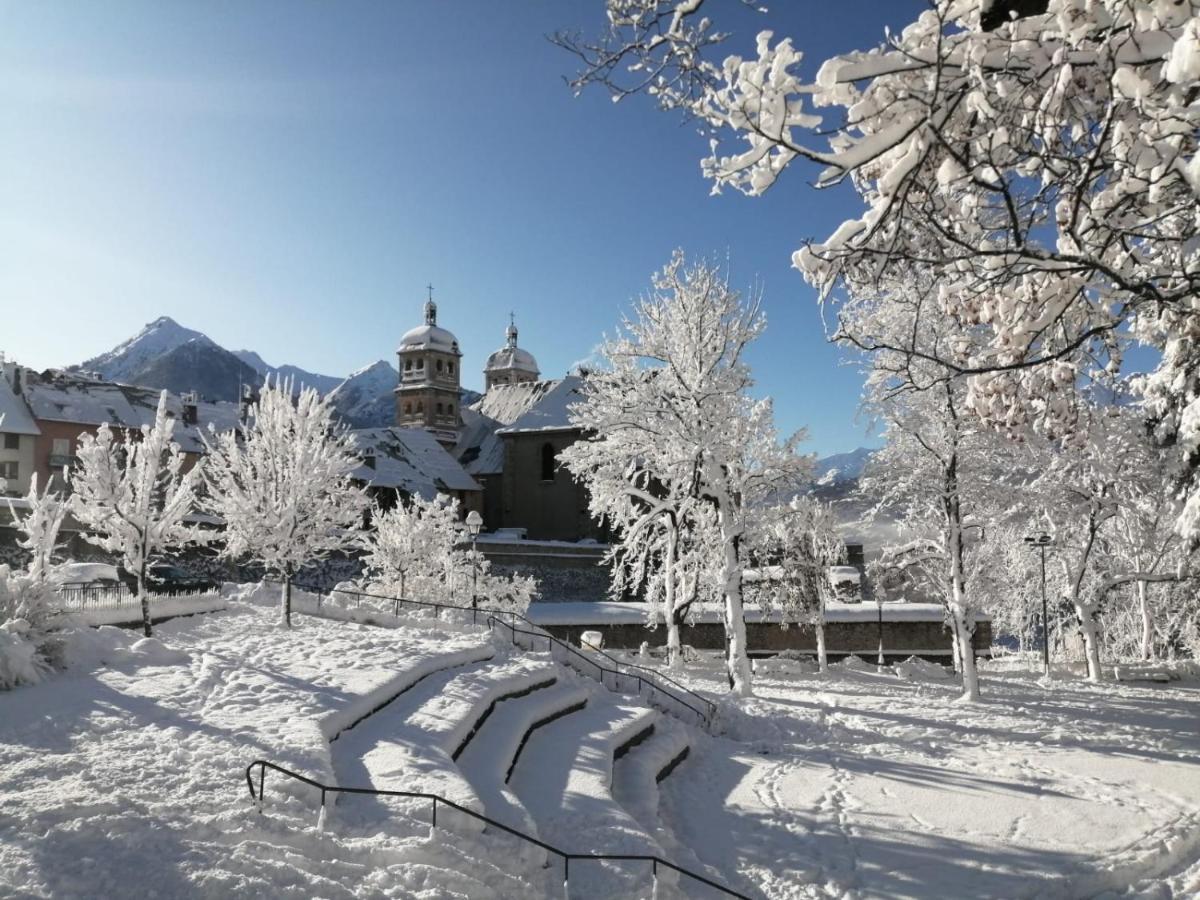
<point>66,406</point>
<point>507,443</point>
<point>510,364</point>
<point>428,395</point>
<point>407,462</point>
<point>19,433</point>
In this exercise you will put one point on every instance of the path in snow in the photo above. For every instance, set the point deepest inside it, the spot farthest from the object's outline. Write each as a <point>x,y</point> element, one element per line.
<point>862,785</point>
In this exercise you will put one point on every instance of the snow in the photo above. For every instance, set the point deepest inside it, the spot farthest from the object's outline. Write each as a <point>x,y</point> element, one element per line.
<point>480,448</point>
<point>160,608</point>
<point>551,410</point>
<point>156,338</point>
<point>367,397</point>
<point>123,776</point>
<point>14,414</point>
<point>411,460</point>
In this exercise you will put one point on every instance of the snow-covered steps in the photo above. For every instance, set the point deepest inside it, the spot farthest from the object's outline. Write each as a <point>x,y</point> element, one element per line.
<point>636,775</point>
<point>563,778</point>
<point>410,744</point>
<point>490,758</point>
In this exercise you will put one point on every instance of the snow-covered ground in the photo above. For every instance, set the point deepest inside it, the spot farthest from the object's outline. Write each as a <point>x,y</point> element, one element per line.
<point>124,776</point>
<point>857,784</point>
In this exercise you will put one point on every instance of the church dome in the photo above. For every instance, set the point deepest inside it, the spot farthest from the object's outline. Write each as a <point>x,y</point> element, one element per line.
<point>429,336</point>
<point>511,358</point>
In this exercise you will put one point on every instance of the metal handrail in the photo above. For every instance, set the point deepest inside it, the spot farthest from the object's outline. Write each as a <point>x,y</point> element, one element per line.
<point>435,799</point>
<point>706,711</point>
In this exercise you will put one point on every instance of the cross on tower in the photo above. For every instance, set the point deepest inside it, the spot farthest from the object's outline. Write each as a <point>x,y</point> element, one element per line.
<point>429,287</point>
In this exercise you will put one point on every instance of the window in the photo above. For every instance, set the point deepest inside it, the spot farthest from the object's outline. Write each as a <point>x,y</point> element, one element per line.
<point>12,442</point>
<point>547,462</point>
<point>450,408</point>
<point>8,472</point>
<point>408,365</point>
<point>450,368</point>
<point>61,447</point>
<point>420,363</point>
<point>420,407</point>
<point>439,409</point>
<point>408,409</point>
<point>439,365</point>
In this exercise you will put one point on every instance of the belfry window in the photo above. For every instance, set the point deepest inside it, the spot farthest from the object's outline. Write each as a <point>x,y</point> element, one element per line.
<point>547,462</point>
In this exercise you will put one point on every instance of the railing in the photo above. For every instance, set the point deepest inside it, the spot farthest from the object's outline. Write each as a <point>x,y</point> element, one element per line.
<point>82,597</point>
<point>688,704</point>
<point>434,799</point>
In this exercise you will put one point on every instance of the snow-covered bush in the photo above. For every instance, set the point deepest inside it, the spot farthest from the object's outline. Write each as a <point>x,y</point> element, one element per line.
<point>39,526</point>
<point>28,615</point>
<point>417,550</point>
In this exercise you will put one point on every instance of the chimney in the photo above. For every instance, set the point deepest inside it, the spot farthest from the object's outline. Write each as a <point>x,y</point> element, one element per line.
<point>191,412</point>
<point>368,457</point>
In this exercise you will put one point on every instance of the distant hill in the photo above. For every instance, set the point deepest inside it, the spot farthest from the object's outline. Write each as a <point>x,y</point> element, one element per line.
<point>300,377</point>
<point>842,466</point>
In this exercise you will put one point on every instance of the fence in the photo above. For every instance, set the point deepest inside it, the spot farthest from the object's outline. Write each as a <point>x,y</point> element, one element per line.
<point>434,799</point>
<point>657,689</point>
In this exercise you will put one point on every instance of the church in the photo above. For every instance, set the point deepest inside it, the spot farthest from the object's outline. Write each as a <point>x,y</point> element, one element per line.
<point>507,441</point>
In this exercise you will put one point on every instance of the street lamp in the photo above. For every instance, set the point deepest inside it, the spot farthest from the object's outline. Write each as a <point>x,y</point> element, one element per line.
<point>474,524</point>
<point>1041,542</point>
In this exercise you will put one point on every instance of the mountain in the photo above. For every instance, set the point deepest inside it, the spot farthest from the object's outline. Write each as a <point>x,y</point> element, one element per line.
<point>842,467</point>
<point>300,377</point>
<point>198,365</point>
<point>367,398</point>
<point>125,360</point>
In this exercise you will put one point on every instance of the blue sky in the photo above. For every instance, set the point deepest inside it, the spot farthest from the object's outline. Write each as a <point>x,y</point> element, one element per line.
<point>287,176</point>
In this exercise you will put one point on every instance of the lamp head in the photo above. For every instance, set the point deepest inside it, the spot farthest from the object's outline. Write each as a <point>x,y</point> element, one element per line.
<point>474,523</point>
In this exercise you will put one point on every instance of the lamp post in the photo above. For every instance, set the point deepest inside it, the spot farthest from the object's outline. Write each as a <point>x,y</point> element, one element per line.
<point>879,606</point>
<point>474,524</point>
<point>1041,542</point>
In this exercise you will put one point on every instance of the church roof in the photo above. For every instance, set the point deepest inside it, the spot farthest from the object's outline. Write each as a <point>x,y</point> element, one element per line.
<point>429,337</point>
<point>511,358</point>
<point>551,411</point>
<point>411,460</point>
<point>480,449</point>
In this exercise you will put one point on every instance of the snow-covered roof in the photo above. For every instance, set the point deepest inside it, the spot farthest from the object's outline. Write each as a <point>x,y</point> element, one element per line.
<point>62,397</point>
<point>550,411</point>
<point>429,337</point>
<point>410,460</point>
<point>507,358</point>
<point>14,414</point>
<point>479,447</point>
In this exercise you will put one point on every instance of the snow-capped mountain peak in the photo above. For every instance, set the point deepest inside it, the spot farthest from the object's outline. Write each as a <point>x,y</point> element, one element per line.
<point>367,397</point>
<point>157,338</point>
<point>842,467</point>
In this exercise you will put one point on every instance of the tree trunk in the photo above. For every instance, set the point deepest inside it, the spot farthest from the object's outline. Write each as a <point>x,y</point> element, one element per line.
<point>959,614</point>
<point>822,659</point>
<point>144,598</point>
<point>1147,622</point>
<point>741,677</point>
<point>1091,639</point>
<point>285,608</point>
<point>674,648</point>
<point>965,650</point>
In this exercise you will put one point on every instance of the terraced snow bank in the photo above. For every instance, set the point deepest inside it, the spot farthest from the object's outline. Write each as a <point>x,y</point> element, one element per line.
<point>124,777</point>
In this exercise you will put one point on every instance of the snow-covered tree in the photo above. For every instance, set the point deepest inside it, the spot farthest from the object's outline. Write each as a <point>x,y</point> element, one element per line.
<point>1037,158</point>
<point>409,550</point>
<point>39,526</point>
<point>796,544</point>
<point>27,614</point>
<point>675,408</point>
<point>417,549</point>
<point>283,486</point>
<point>132,494</point>
<point>941,474</point>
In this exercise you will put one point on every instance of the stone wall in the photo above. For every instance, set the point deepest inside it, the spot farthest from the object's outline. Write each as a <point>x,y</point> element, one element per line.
<point>901,639</point>
<point>564,573</point>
